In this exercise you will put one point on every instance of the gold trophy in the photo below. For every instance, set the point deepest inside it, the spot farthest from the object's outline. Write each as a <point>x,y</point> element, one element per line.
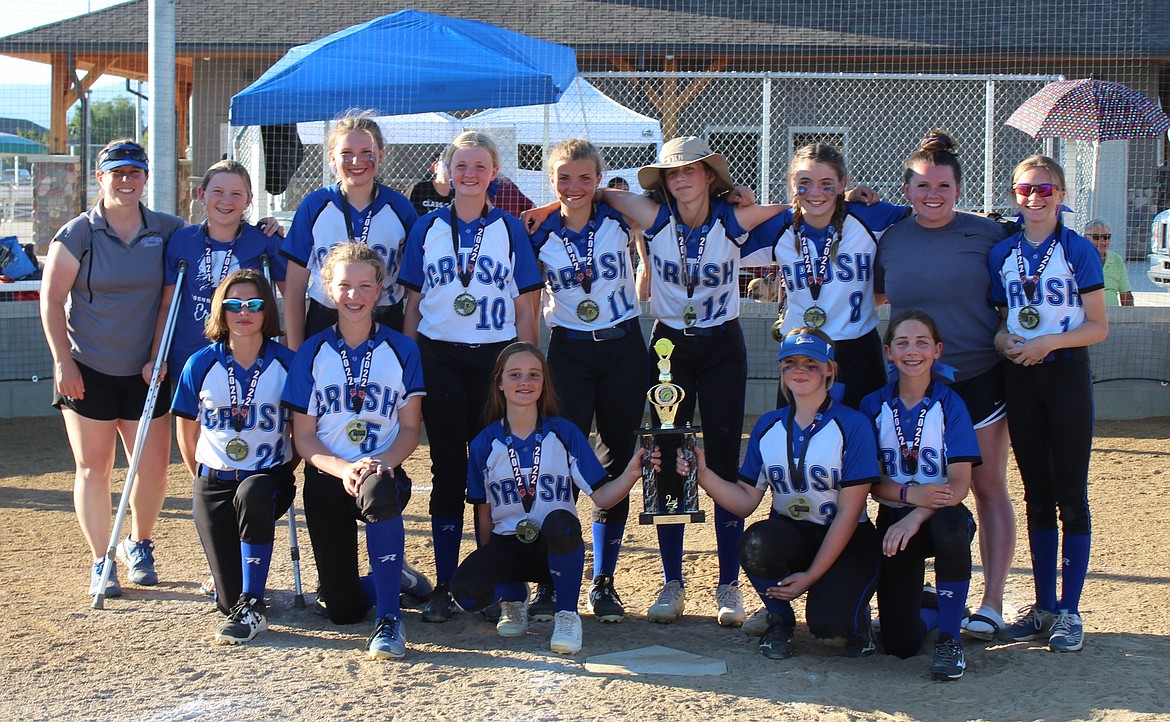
<point>673,501</point>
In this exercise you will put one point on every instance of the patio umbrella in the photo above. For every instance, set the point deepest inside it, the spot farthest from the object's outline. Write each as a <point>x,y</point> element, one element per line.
<point>16,144</point>
<point>1090,110</point>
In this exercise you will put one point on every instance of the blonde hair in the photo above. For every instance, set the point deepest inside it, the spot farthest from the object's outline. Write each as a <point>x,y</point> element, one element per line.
<point>352,252</point>
<point>1044,162</point>
<point>575,149</point>
<point>361,121</point>
<point>472,139</point>
<point>227,166</point>
<point>830,376</point>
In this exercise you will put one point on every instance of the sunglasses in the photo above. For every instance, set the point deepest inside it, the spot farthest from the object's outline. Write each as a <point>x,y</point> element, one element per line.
<point>1043,190</point>
<point>123,152</point>
<point>1101,236</point>
<point>235,305</point>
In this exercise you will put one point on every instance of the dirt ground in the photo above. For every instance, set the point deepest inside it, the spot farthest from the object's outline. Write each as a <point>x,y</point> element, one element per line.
<point>150,655</point>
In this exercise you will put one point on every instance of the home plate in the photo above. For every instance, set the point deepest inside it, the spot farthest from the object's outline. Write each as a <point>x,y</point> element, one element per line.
<point>656,660</point>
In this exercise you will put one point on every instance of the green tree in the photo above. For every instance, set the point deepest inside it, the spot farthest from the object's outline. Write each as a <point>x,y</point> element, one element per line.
<point>108,119</point>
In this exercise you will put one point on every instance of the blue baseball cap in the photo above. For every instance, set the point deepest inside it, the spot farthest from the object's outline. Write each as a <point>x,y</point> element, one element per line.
<point>805,344</point>
<point>120,155</point>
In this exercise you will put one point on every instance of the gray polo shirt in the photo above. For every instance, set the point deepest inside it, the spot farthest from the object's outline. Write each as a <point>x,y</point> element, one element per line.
<point>944,272</point>
<point>111,310</point>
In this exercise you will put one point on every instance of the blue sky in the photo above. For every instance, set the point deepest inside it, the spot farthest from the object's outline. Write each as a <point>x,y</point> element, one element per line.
<point>24,85</point>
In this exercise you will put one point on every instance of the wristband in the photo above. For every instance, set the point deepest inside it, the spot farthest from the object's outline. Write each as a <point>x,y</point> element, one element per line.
<point>903,490</point>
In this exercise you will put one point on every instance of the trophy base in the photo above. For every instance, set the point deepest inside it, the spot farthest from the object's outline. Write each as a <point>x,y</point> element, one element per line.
<point>686,517</point>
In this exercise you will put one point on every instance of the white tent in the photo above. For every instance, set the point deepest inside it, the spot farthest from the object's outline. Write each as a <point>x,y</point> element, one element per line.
<point>412,128</point>
<point>582,112</point>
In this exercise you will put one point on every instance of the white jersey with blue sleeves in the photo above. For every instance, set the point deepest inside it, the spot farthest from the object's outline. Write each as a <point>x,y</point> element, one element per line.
<point>716,296</point>
<point>847,296</point>
<point>202,395</point>
<point>1074,268</point>
<point>505,268</point>
<point>566,460</point>
<point>612,287</point>
<point>321,223</point>
<point>317,387</point>
<point>947,433</point>
<point>841,452</point>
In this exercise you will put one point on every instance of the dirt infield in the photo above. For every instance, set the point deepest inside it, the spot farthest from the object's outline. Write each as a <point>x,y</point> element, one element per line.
<point>149,655</point>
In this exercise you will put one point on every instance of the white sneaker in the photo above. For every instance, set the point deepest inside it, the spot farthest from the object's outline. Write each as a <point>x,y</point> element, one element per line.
<point>566,636</point>
<point>672,600</point>
<point>513,619</point>
<point>730,602</point>
<point>757,623</point>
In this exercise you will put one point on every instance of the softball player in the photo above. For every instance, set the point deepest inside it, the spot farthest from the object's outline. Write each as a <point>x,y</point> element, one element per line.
<point>467,268</point>
<point>523,473</point>
<point>355,391</point>
<point>596,345</point>
<point>694,239</point>
<point>825,248</point>
<point>357,207</point>
<point>819,459</point>
<point>936,261</point>
<point>1048,283</point>
<point>213,249</point>
<point>928,447</point>
<point>227,407</point>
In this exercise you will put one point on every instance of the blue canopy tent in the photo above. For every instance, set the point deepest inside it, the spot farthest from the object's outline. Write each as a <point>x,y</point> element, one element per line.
<point>408,62</point>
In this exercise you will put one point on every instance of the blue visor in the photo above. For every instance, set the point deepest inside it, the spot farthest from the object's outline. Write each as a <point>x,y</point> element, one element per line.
<point>805,344</point>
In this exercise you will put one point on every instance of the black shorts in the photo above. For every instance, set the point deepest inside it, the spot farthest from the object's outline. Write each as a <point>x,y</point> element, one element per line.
<point>984,396</point>
<point>108,398</point>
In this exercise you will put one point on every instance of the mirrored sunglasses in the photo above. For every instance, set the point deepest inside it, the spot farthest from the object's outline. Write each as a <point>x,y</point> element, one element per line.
<point>1043,190</point>
<point>235,305</point>
<point>123,152</point>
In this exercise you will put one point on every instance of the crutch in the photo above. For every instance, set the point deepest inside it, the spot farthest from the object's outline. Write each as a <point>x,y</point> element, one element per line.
<point>293,548</point>
<point>99,599</point>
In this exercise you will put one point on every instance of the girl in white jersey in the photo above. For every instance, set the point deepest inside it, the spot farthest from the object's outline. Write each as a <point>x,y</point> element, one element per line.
<point>228,412</point>
<point>590,305</point>
<point>825,248</point>
<point>522,475</point>
<point>694,239</point>
<point>1048,282</point>
<point>356,390</point>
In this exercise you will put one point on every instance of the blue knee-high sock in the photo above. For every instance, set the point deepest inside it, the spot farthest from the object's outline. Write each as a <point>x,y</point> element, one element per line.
<point>368,587</point>
<point>1044,545</point>
<point>510,592</point>
<point>255,558</point>
<point>670,548</point>
<point>386,542</point>
<point>447,533</point>
<point>952,599</point>
<point>728,530</point>
<point>566,571</point>
<point>773,605</point>
<point>1074,569</point>
<point>929,619</point>
<point>607,544</point>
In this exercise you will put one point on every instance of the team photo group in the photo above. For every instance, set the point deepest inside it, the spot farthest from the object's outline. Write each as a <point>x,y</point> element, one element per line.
<point>397,322</point>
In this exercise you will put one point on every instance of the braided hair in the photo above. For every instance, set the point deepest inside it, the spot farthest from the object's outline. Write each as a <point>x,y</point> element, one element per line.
<point>830,156</point>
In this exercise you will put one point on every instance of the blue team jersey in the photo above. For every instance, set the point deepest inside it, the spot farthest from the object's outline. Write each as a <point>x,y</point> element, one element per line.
<point>840,452</point>
<point>947,433</point>
<point>566,460</point>
<point>205,271</point>
<point>203,395</point>
<point>716,294</point>
<point>1074,268</point>
<point>504,269</point>
<point>847,296</point>
<point>325,218</point>
<point>317,387</point>
<point>612,295</point>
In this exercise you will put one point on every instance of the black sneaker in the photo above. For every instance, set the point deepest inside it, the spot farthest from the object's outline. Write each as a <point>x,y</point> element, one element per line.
<point>440,606</point>
<point>604,602</point>
<point>246,620</point>
<point>863,646</point>
<point>949,661</point>
<point>777,640</point>
<point>544,604</point>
